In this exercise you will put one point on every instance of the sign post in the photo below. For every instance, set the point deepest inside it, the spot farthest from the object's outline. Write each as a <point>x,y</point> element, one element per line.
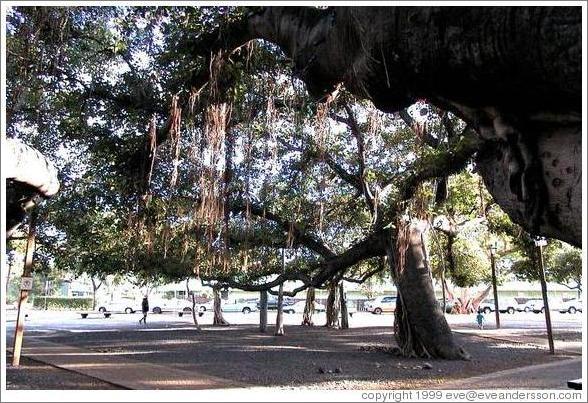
<point>26,285</point>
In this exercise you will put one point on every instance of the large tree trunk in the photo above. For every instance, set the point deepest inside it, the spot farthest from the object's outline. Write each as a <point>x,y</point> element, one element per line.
<point>280,315</point>
<point>333,305</point>
<point>263,311</point>
<point>219,319</point>
<point>525,103</point>
<point>420,327</point>
<point>309,307</point>
<point>344,312</point>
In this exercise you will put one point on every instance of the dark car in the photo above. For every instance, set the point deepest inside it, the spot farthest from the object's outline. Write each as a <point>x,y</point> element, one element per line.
<point>272,302</point>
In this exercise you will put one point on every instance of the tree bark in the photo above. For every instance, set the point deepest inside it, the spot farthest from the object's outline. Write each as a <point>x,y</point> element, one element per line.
<point>194,313</point>
<point>219,319</point>
<point>263,311</point>
<point>421,329</point>
<point>333,305</point>
<point>525,104</point>
<point>280,315</point>
<point>94,289</point>
<point>344,312</point>
<point>309,308</point>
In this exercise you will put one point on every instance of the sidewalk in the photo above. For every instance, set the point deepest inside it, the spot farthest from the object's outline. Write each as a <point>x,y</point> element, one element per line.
<point>553,375</point>
<point>526,336</point>
<point>123,372</point>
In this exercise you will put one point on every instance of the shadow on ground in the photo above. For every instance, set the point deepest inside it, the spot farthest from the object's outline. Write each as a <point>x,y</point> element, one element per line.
<point>306,357</point>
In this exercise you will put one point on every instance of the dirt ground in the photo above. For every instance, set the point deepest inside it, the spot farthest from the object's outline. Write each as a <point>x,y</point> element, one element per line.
<point>305,358</point>
<point>31,374</point>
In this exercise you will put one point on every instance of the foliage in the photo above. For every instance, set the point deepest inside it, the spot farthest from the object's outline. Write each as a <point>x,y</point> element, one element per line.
<point>62,303</point>
<point>211,194</point>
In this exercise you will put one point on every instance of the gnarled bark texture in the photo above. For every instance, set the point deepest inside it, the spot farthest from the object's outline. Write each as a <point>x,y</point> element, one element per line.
<point>219,319</point>
<point>263,311</point>
<point>512,73</point>
<point>343,303</point>
<point>420,326</point>
<point>333,305</point>
<point>28,174</point>
<point>309,307</point>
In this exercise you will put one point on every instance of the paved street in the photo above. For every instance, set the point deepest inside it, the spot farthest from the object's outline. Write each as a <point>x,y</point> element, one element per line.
<point>71,321</point>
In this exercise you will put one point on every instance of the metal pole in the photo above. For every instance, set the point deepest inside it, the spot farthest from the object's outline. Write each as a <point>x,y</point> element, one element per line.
<point>545,301</point>
<point>496,310</point>
<point>24,294</point>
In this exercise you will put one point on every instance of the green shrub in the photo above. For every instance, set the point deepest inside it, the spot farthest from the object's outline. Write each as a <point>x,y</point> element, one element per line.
<point>62,303</point>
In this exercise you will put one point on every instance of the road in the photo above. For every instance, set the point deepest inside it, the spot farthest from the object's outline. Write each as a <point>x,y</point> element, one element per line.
<point>71,321</point>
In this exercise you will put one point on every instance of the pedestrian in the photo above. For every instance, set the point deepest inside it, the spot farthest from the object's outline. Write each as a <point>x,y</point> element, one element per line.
<point>144,309</point>
<point>480,319</point>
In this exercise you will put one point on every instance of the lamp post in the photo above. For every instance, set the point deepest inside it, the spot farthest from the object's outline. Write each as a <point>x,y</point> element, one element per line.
<point>540,242</point>
<point>493,249</point>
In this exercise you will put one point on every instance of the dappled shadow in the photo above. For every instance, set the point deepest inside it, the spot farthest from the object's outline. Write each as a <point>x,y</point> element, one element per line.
<point>311,357</point>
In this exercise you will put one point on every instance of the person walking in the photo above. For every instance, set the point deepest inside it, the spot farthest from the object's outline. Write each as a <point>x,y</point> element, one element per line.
<point>480,319</point>
<point>144,309</point>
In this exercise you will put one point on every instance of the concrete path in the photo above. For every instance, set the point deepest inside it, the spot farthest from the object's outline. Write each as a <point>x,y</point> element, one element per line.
<point>120,371</point>
<point>525,336</point>
<point>553,375</point>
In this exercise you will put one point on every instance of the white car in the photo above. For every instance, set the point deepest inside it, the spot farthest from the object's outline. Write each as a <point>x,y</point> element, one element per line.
<point>571,306</point>
<point>298,307</point>
<point>553,305</point>
<point>385,303</point>
<point>528,306</point>
<point>508,305</point>
<point>126,305</point>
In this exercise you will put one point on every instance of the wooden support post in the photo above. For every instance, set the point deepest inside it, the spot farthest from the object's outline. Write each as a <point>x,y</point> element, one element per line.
<point>24,292</point>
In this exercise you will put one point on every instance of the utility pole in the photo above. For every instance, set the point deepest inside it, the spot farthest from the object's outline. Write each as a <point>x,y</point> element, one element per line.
<point>25,287</point>
<point>541,242</point>
<point>493,249</point>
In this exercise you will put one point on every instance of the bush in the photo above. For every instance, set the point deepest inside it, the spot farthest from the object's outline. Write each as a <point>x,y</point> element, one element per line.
<point>62,303</point>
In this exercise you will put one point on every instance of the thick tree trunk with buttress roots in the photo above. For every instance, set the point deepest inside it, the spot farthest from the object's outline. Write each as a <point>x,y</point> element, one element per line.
<point>219,319</point>
<point>309,307</point>
<point>421,329</point>
<point>333,305</point>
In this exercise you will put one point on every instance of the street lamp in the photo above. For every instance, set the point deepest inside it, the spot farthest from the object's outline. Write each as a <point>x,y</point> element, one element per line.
<point>493,249</point>
<point>540,242</point>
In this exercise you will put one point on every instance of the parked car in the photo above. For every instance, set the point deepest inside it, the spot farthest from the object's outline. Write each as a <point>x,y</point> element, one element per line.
<point>272,302</point>
<point>505,305</point>
<point>206,306</point>
<point>185,305</point>
<point>298,307</point>
<point>160,305</point>
<point>126,305</point>
<point>243,306</point>
<point>538,306</point>
<point>385,303</point>
<point>530,303</point>
<point>571,306</point>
